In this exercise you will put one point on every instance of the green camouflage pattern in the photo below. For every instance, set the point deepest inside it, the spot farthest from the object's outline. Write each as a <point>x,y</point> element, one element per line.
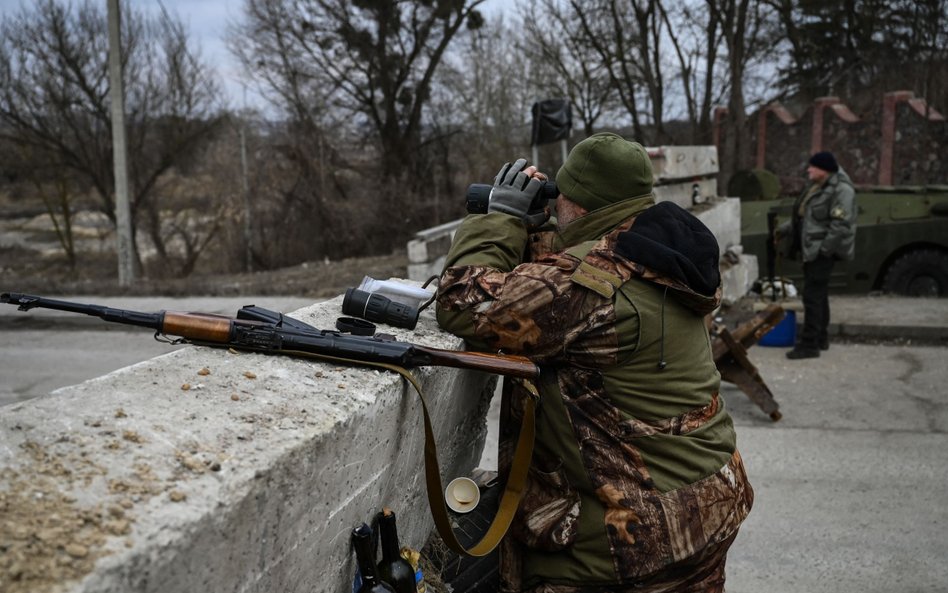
<point>701,574</point>
<point>593,513</point>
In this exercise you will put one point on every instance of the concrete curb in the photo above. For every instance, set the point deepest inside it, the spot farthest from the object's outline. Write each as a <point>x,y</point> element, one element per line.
<point>881,318</point>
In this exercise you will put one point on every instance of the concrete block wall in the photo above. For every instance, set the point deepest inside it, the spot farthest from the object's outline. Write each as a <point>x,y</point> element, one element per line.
<point>687,193</point>
<point>428,250</point>
<point>685,175</point>
<point>723,217</point>
<point>738,273</point>
<point>211,470</point>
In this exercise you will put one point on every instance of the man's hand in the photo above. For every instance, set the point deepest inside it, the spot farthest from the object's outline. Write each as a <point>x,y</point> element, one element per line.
<point>515,188</point>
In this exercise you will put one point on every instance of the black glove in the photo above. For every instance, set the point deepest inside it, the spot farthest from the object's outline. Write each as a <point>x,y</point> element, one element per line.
<point>513,193</point>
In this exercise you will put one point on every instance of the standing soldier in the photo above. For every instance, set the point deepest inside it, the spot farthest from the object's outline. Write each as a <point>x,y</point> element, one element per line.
<point>823,230</point>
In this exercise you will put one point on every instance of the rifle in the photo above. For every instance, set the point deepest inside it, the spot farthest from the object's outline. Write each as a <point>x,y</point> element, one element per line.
<point>261,330</point>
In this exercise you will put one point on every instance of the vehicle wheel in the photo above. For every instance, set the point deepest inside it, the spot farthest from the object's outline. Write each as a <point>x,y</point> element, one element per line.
<point>923,272</point>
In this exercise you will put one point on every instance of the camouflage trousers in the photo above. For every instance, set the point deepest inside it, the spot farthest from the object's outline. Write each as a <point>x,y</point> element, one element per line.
<point>703,573</point>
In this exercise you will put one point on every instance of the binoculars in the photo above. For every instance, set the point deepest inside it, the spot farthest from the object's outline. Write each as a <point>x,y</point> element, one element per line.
<point>398,304</point>
<point>478,197</point>
<point>384,301</point>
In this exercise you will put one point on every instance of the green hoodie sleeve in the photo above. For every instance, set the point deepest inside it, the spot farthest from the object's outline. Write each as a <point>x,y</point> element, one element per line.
<point>494,240</point>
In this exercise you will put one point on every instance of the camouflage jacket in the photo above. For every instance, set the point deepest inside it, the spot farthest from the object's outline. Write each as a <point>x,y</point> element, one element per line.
<point>635,465</point>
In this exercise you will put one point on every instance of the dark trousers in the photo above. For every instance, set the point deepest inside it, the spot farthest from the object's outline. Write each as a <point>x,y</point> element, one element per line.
<point>816,308</point>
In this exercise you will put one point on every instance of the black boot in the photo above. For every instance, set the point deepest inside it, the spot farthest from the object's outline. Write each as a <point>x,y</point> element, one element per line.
<point>799,352</point>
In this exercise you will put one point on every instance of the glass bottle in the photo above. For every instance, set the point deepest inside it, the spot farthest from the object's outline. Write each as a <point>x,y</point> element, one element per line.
<point>393,569</point>
<point>365,558</point>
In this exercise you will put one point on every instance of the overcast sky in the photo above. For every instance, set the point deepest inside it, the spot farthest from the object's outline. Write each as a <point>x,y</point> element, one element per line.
<point>206,22</point>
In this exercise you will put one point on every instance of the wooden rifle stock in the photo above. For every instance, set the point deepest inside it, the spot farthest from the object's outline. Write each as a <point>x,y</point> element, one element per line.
<point>500,364</point>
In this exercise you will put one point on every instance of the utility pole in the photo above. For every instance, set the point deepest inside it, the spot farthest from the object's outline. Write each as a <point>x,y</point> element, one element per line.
<point>123,214</point>
<point>248,229</point>
<point>248,211</point>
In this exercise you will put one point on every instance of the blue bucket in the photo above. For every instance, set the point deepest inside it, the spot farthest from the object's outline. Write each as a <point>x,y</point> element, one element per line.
<point>783,334</point>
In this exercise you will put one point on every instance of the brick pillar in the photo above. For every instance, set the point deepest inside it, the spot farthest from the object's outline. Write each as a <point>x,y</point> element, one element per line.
<point>783,115</point>
<point>889,102</point>
<point>816,135</point>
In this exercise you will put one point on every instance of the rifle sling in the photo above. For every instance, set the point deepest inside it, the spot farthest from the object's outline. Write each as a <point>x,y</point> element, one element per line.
<point>516,480</point>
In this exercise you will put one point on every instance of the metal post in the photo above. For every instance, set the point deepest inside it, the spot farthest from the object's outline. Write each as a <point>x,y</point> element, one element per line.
<point>123,218</point>
<point>248,230</point>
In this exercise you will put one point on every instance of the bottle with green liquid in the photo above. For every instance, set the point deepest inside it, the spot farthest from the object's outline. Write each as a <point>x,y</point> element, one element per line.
<point>393,569</point>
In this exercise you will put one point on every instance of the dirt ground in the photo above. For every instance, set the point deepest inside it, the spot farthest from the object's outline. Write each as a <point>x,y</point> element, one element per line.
<point>33,261</point>
<point>22,270</point>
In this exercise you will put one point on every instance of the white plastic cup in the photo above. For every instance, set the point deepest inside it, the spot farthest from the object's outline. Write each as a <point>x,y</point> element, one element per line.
<point>462,495</point>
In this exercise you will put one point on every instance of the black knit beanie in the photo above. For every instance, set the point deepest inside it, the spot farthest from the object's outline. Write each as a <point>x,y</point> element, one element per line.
<point>825,160</point>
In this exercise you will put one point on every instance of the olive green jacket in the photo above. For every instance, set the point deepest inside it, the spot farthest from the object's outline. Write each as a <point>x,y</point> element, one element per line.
<point>635,465</point>
<point>827,226</point>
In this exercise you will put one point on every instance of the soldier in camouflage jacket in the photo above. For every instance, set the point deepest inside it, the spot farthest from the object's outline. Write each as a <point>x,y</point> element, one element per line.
<point>636,483</point>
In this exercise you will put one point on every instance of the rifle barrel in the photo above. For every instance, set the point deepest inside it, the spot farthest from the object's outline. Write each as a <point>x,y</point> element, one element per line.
<point>25,302</point>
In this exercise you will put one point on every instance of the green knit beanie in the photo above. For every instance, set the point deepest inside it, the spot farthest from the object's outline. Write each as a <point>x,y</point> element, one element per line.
<point>604,169</point>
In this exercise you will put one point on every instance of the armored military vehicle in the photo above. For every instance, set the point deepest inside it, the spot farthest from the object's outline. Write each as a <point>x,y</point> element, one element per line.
<point>901,237</point>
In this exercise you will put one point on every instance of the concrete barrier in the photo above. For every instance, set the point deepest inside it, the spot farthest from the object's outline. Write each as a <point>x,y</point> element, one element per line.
<point>428,251</point>
<point>685,175</point>
<point>211,470</point>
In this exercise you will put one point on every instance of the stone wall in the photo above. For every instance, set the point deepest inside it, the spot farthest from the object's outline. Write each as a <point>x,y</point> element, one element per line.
<point>901,140</point>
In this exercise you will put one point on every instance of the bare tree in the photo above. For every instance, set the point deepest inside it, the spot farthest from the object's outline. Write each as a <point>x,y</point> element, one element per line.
<point>740,23</point>
<point>54,97</point>
<point>29,173</point>
<point>696,39</point>
<point>355,79</point>
<point>626,35</point>
<point>878,45</point>
<point>57,196</point>
<point>373,59</point>
<point>481,101</point>
<point>563,63</point>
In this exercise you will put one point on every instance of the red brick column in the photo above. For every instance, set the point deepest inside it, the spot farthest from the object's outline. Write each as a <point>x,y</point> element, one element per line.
<point>762,137</point>
<point>783,115</point>
<point>889,101</point>
<point>816,134</point>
